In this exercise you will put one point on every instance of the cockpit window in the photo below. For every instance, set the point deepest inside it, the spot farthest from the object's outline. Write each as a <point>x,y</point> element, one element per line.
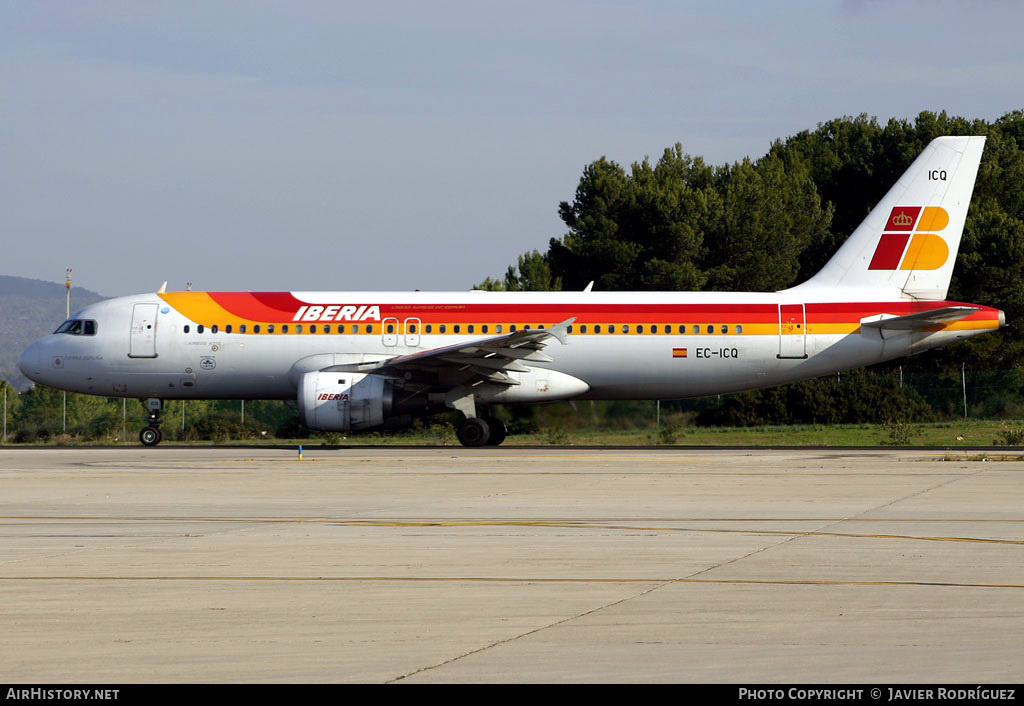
<point>78,327</point>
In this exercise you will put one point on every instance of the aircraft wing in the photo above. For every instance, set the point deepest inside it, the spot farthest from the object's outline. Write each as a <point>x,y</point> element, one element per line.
<point>485,359</point>
<point>923,320</point>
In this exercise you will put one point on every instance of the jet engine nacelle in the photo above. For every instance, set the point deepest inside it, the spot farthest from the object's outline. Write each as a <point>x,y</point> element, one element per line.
<point>344,401</point>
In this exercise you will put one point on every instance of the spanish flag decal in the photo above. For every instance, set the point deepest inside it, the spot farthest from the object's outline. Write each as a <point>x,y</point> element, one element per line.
<point>678,352</point>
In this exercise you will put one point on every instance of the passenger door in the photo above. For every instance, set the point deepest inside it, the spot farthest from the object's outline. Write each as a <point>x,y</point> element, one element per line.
<point>142,340</point>
<point>792,331</point>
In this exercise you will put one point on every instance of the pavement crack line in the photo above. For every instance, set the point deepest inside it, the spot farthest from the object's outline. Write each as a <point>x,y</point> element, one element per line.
<point>826,525</point>
<point>586,613</point>
<point>528,633</point>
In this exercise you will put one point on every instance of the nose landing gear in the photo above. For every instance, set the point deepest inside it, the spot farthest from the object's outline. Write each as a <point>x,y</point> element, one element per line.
<point>150,435</point>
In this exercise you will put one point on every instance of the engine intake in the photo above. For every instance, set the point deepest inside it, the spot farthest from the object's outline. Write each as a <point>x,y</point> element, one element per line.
<point>345,401</point>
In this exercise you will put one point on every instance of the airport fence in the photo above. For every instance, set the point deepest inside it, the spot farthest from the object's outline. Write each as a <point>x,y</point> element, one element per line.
<point>885,396</point>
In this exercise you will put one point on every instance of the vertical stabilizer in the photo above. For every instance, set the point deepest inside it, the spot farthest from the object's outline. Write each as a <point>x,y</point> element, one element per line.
<point>908,243</point>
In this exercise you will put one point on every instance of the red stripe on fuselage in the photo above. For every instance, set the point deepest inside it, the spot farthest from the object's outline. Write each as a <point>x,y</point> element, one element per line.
<point>281,307</point>
<point>270,307</point>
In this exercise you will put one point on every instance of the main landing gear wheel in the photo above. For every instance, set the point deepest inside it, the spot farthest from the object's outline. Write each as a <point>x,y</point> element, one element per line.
<point>498,431</point>
<point>474,432</point>
<point>150,436</point>
<point>481,431</point>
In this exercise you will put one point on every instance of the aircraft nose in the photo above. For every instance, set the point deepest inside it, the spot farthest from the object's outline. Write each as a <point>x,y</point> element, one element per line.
<point>28,362</point>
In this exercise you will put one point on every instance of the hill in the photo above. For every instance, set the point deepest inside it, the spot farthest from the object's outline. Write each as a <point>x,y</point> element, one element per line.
<point>29,310</point>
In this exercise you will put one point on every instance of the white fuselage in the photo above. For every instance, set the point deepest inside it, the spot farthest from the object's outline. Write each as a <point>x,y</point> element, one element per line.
<point>713,343</point>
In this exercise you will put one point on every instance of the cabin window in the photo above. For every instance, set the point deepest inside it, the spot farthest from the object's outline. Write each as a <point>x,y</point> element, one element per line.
<point>597,328</point>
<point>498,328</point>
<point>625,328</point>
<point>470,328</point>
<point>214,329</point>
<point>484,328</point>
<point>583,328</point>
<point>200,328</point>
<point>270,328</point>
<point>298,328</point>
<point>711,328</point>
<point>355,328</point>
<point>443,328</point>
<point>228,328</point>
<point>242,328</point>
<point>456,328</point>
<point>256,328</point>
<point>341,328</point>
<point>312,328</point>
<point>725,328</point>
<point>640,328</point>
<point>327,328</point>
<point>284,328</point>
<point>391,328</point>
<point>412,328</point>
<point>187,328</point>
<point>611,328</point>
<point>369,328</point>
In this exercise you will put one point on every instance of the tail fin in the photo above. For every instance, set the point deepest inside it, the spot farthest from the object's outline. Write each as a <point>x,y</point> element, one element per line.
<point>908,243</point>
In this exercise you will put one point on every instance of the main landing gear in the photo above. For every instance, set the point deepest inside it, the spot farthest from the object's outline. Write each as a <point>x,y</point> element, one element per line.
<point>481,431</point>
<point>150,434</point>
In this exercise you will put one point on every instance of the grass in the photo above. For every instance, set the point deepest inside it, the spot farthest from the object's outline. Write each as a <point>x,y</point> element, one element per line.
<point>943,434</point>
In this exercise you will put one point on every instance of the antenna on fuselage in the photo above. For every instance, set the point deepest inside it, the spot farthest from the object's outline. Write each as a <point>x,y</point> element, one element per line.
<point>163,288</point>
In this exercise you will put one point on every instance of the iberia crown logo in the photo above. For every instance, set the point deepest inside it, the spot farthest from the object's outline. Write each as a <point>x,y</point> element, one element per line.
<point>915,245</point>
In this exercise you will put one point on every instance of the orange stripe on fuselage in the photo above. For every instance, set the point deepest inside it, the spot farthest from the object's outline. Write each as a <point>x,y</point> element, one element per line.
<point>236,308</point>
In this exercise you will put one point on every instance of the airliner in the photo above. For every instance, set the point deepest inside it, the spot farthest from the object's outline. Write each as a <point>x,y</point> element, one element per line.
<point>366,360</point>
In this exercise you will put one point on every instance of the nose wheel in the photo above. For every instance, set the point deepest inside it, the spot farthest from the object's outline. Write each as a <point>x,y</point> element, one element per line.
<point>151,435</point>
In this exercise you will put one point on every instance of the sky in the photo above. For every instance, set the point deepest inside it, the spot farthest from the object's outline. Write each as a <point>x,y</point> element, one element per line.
<point>400,145</point>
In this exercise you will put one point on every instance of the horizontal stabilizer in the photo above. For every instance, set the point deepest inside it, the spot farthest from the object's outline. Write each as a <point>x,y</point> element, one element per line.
<point>923,320</point>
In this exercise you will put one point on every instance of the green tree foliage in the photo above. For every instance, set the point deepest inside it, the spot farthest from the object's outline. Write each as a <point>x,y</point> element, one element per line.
<point>533,274</point>
<point>848,398</point>
<point>771,213</point>
<point>639,231</point>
